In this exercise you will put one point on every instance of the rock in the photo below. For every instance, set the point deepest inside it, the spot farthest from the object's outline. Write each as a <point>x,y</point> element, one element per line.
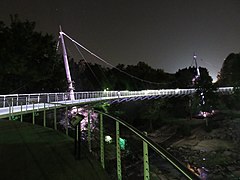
<point>192,137</point>
<point>227,153</point>
<point>213,152</point>
<point>236,173</point>
<point>235,155</point>
<point>216,176</point>
<point>231,168</point>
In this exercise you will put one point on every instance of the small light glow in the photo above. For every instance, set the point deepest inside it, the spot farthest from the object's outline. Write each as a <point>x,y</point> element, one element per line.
<point>177,90</point>
<point>122,143</point>
<point>108,139</point>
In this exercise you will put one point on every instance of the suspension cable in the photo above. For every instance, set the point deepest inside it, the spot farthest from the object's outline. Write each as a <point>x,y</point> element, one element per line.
<point>101,59</point>
<point>87,64</point>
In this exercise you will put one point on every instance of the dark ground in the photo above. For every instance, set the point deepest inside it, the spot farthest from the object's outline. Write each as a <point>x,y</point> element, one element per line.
<point>33,152</point>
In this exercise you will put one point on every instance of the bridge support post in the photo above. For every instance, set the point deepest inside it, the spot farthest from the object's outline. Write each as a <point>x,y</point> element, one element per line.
<point>119,168</point>
<point>77,142</point>
<point>89,132</point>
<point>66,119</point>
<point>101,141</point>
<point>21,114</point>
<point>33,115</point>
<point>44,115</point>
<point>10,112</point>
<point>145,160</point>
<point>55,117</point>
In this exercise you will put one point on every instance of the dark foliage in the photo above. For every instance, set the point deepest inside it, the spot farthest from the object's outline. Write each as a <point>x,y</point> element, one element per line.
<point>230,71</point>
<point>29,62</point>
<point>88,76</point>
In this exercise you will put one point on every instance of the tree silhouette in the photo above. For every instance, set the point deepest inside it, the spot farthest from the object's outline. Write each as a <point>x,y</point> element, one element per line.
<point>230,71</point>
<point>29,62</point>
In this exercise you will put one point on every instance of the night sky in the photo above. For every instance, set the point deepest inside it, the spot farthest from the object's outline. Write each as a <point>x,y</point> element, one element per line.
<point>163,33</point>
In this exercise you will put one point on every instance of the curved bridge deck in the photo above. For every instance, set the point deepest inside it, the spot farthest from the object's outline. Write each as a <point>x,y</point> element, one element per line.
<point>14,104</point>
<point>33,152</point>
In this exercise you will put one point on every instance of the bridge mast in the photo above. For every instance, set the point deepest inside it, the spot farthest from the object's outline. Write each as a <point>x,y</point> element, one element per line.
<point>68,74</point>
<point>195,59</point>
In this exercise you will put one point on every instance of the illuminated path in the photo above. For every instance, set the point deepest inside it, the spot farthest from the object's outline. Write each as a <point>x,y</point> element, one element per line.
<point>19,103</point>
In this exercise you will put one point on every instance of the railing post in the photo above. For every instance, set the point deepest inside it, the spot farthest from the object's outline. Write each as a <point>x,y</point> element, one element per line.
<point>101,141</point>
<point>38,99</point>
<point>12,105</point>
<point>145,160</point>
<point>44,115</point>
<point>10,112</point>
<point>28,99</point>
<point>66,119</point>
<point>55,117</point>
<point>89,132</point>
<point>119,168</point>
<point>17,101</point>
<point>4,101</point>
<point>21,113</point>
<point>33,115</point>
<point>48,98</point>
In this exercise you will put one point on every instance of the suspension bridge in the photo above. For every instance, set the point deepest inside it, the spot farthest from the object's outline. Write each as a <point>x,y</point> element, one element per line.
<point>13,104</point>
<point>18,106</point>
<point>39,107</point>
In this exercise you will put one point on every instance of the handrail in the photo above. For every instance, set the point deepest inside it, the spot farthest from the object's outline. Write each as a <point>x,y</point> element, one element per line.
<point>157,148</point>
<point>25,99</point>
<point>40,106</point>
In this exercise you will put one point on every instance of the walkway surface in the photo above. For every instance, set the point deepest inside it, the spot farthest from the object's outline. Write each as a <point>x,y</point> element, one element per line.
<point>33,152</point>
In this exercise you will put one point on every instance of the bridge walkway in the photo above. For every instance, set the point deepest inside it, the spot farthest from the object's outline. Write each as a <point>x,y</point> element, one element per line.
<point>33,152</point>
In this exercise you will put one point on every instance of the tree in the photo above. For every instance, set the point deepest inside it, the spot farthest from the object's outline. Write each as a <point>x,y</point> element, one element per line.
<point>230,71</point>
<point>205,96</point>
<point>29,62</point>
<point>184,77</point>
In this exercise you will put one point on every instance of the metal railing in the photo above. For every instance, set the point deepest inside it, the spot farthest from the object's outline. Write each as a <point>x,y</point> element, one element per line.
<point>36,98</point>
<point>141,158</point>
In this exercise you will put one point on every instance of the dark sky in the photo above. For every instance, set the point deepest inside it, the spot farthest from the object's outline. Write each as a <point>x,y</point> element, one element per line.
<point>163,33</point>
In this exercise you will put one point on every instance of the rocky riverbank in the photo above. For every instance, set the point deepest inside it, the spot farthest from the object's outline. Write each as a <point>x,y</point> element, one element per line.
<point>212,150</point>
